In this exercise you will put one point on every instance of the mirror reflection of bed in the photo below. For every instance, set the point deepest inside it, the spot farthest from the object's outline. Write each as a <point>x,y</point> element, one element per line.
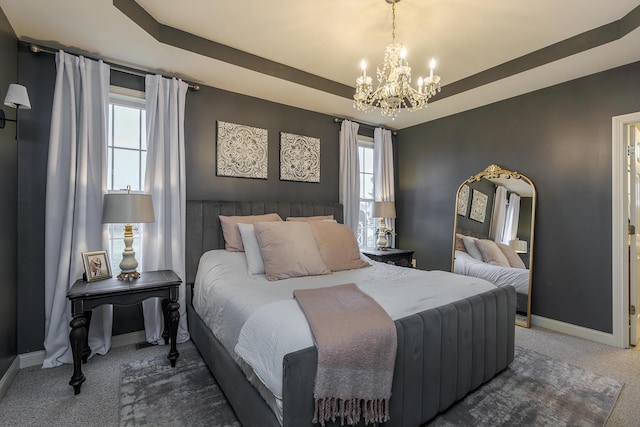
<point>494,230</point>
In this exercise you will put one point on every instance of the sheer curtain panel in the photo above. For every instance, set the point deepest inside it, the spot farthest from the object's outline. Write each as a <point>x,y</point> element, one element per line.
<point>383,179</point>
<point>164,240</point>
<point>499,214</point>
<point>512,218</point>
<point>350,174</point>
<point>76,181</point>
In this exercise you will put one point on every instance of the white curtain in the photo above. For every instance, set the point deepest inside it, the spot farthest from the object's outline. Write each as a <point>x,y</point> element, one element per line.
<point>76,182</point>
<point>350,174</point>
<point>512,218</point>
<point>164,240</point>
<point>499,214</point>
<point>383,179</point>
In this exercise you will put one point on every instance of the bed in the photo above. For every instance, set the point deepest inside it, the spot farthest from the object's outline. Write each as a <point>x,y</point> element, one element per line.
<point>477,256</point>
<point>467,265</point>
<point>444,352</point>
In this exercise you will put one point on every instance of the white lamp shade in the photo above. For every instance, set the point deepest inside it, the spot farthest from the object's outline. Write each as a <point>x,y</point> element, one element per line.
<point>520,246</point>
<point>127,208</point>
<point>384,210</point>
<point>17,97</point>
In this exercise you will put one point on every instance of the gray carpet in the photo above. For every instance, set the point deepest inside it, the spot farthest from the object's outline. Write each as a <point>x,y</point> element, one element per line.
<point>536,390</point>
<point>154,393</point>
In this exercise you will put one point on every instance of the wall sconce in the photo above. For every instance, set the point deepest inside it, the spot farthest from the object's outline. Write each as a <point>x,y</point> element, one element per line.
<point>127,208</point>
<point>17,97</point>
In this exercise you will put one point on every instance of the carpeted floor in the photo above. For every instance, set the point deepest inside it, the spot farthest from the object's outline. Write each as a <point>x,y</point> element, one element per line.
<point>536,390</point>
<point>43,397</point>
<point>153,393</point>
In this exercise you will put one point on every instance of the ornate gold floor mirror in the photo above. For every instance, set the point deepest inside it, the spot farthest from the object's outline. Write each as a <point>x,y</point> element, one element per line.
<point>494,230</point>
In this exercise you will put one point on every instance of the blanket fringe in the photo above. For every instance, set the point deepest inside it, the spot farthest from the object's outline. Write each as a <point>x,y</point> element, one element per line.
<point>350,410</point>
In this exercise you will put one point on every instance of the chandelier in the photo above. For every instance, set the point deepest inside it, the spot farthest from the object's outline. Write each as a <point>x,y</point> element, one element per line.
<point>394,81</point>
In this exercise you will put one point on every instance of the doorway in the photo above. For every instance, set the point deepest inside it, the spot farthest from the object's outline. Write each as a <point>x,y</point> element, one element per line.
<point>632,141</point>
<point>626,229</point>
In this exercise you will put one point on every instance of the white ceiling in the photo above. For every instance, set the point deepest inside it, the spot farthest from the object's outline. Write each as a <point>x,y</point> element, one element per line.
<point>328,38</point>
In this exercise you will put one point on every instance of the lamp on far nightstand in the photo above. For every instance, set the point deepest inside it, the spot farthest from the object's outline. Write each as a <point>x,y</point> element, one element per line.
<point>383,210</point>
<point>520,246</point>
<point>127,208</point>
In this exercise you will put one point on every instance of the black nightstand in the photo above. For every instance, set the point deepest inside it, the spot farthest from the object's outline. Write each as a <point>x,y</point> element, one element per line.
<point>400,257</point>
<point>85,296</point>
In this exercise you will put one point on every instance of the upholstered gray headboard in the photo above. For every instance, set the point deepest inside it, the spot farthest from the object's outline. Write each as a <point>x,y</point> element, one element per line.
<point>205,233</point>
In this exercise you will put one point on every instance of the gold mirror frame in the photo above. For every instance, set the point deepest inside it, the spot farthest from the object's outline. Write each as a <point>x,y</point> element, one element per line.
<point>496,172</point>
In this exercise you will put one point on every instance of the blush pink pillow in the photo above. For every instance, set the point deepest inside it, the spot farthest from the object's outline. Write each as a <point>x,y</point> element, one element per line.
<point>232,238</point>
<point>338,246</point>
<point>310,218</point>
<point>289,250</point>
<point>491,253</point>
<point>514,259</point>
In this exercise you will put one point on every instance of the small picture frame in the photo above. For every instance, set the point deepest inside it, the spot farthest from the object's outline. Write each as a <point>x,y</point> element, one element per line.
<point>96,266</point>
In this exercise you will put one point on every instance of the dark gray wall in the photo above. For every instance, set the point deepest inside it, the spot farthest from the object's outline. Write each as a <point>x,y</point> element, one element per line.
<point>203,109</point>
<point>8,200</point>
<point>37,72</point>
<point>559,137</point>
<point>209,105</point>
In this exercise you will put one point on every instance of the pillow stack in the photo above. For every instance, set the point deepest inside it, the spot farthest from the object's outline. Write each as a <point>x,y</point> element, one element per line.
<point>300,246</point>
<point>491,252</point>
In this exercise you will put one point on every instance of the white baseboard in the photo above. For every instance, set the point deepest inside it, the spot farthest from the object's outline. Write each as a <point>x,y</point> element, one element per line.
<point>7,378</point>
<point>35,358</point>
<point>127,339</point>
<point>573,330</point>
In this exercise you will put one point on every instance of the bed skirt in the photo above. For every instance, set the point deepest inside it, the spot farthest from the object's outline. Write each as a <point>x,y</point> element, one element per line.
<point>443,354</point>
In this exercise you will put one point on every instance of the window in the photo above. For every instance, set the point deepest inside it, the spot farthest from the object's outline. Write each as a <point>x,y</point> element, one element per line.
<point>126,159</point>
<point>366,223</point>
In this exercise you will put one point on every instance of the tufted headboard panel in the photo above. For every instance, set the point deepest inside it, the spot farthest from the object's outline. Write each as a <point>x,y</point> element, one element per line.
<point>204,233</point>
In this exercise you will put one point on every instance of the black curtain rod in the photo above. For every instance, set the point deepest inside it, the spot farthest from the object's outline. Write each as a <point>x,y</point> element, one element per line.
<point>368,125</point>
<point>36,48</point>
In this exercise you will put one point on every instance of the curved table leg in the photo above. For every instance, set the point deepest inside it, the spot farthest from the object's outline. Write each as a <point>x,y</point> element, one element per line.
<point>165,314</point>
<point>77,338</point>
<point>86,352</point>
<point>174,319</point>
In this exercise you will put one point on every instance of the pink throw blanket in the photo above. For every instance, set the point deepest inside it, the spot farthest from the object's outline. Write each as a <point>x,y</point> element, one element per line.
<point>356,342</point>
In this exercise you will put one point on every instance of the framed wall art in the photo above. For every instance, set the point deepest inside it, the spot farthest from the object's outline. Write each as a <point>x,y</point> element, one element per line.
<point>478,206</point>
<point>96,266</point>
<point>242,151</point>
<point>299,158</point>
<point>463,200</point>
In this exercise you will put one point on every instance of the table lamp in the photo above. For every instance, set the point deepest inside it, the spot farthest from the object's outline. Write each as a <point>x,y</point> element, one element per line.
<point>383,210</point>
<point>126,208</point>
<point>520,246</point>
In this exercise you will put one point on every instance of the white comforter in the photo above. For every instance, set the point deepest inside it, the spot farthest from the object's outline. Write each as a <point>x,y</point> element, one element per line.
<point>259,321</point>
<point>466,265</point>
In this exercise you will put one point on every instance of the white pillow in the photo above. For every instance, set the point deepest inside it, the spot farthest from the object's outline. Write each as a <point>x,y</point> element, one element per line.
<point>251,248</point>
<point>470,246</point>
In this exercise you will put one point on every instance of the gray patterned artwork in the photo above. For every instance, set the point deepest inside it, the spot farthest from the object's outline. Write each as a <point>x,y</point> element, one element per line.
<point>478,206</point>
<point>299,158</point>
<point>463,200</point>
<point>242,151</point>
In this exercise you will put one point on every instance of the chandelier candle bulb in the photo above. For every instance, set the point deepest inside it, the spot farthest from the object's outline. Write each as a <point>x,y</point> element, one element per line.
<point>363,66</point>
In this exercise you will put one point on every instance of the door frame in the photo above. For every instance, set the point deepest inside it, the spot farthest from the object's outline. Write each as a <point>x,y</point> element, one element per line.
<point>619,251</point>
